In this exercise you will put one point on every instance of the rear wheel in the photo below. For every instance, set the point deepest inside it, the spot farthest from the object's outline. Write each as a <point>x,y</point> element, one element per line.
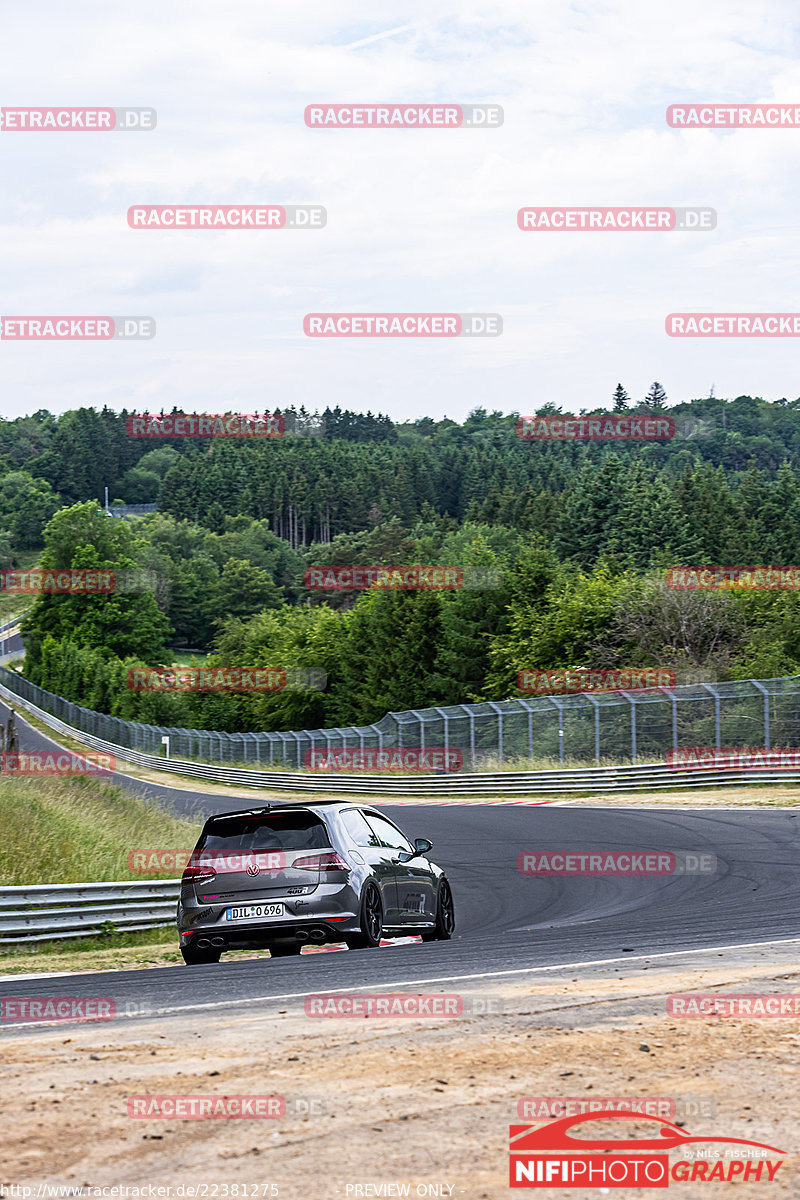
<point>285,950</point>
<point>193,955</point>
<point>369,935</point>
<point>445,916</point>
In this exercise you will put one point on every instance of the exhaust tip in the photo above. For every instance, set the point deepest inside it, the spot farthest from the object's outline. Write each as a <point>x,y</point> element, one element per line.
<point>203,943</point>
<point>318,935</point>
<point>302,935</point>
<point>218,941</point>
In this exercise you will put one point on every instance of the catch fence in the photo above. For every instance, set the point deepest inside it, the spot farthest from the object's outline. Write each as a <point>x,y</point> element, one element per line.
<point>618,726</point>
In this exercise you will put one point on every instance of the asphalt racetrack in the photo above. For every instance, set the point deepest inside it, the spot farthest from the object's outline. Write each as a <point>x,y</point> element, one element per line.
<point>507,921</point>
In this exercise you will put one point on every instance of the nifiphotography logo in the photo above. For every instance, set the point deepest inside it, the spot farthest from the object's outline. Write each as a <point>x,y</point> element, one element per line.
<point>552,1156</point>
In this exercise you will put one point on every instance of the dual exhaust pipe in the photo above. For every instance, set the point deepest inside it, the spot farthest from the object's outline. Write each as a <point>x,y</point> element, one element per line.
<point>302,935</point>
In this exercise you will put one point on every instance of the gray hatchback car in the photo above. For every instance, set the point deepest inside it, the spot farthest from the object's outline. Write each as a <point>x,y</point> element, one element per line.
<point>280,876</point>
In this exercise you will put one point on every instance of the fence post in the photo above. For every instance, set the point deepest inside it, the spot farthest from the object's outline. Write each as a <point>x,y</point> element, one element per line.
<point>499,712</point>
<point>471,716</point>
<point>596,726</point>
<point>765,693</point>
<point>632,703</point>
<point>421,720</point>
<point>560,707</point>
<point>446,720</point>
<point>718,740</point>
<point>526,705</point>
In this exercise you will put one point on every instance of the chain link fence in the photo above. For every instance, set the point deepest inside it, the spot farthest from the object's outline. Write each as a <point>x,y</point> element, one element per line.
<point>614,726</point>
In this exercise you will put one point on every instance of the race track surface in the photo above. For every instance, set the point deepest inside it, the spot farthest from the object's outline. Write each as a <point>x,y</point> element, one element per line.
<point>508,921</point>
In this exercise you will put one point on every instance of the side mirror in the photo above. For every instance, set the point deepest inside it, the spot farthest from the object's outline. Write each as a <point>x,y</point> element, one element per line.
<point>421,846</point>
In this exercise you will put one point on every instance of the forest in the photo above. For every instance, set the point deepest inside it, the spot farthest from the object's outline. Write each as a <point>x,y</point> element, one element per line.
<point>567,545</point>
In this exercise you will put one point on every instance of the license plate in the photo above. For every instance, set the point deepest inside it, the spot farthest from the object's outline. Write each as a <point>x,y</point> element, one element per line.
<point>251,912</point>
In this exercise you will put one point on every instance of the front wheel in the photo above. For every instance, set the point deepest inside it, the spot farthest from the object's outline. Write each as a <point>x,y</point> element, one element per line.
<point>445,916</point>
<point>371,929</point>
<point>193,956</point>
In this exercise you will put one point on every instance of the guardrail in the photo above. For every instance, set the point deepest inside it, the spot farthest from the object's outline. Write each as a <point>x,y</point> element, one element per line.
<point>72,910</point>
<point>639,777</point>
<point>12,622</point>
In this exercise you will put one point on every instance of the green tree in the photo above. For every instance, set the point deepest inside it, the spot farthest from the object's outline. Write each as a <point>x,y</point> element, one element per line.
<point>621,399</point>
<point>656,397</point>
<point>26,505</point>
<point>244,590</point>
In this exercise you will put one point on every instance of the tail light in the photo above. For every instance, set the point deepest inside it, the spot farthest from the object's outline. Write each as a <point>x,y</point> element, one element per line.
<point>330,861</point>
<point>198,875</point>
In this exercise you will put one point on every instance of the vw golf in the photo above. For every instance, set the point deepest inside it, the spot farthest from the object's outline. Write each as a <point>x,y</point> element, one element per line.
<point>280,876</point>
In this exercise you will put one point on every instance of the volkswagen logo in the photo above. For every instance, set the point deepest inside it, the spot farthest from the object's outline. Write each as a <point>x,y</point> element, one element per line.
<point>253,868</point>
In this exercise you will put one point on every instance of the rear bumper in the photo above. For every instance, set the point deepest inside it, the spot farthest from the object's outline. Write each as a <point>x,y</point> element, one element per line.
<point>309,930</point>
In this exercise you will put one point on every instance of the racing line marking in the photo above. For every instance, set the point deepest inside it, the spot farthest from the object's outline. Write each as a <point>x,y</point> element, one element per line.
<point>596,962</point>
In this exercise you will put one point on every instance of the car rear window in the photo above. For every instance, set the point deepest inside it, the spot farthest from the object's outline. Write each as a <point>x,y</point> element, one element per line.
<point>279,831</point>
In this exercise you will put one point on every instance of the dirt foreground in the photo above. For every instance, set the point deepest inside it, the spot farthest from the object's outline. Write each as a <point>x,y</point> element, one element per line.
<point>378,1105</point>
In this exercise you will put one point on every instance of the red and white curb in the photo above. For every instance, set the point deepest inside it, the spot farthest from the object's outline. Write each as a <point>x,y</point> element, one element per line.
<point>401,941</point>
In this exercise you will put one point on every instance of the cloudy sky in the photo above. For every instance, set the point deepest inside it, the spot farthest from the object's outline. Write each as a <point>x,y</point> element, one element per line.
<point>417,220</point>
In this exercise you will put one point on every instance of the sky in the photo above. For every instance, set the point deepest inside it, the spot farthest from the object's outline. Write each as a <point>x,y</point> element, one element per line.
<point>417,220</point>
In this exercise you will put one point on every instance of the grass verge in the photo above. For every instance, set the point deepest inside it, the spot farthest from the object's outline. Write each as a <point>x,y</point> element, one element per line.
<point>79,830</point>
<point>119,952</point>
